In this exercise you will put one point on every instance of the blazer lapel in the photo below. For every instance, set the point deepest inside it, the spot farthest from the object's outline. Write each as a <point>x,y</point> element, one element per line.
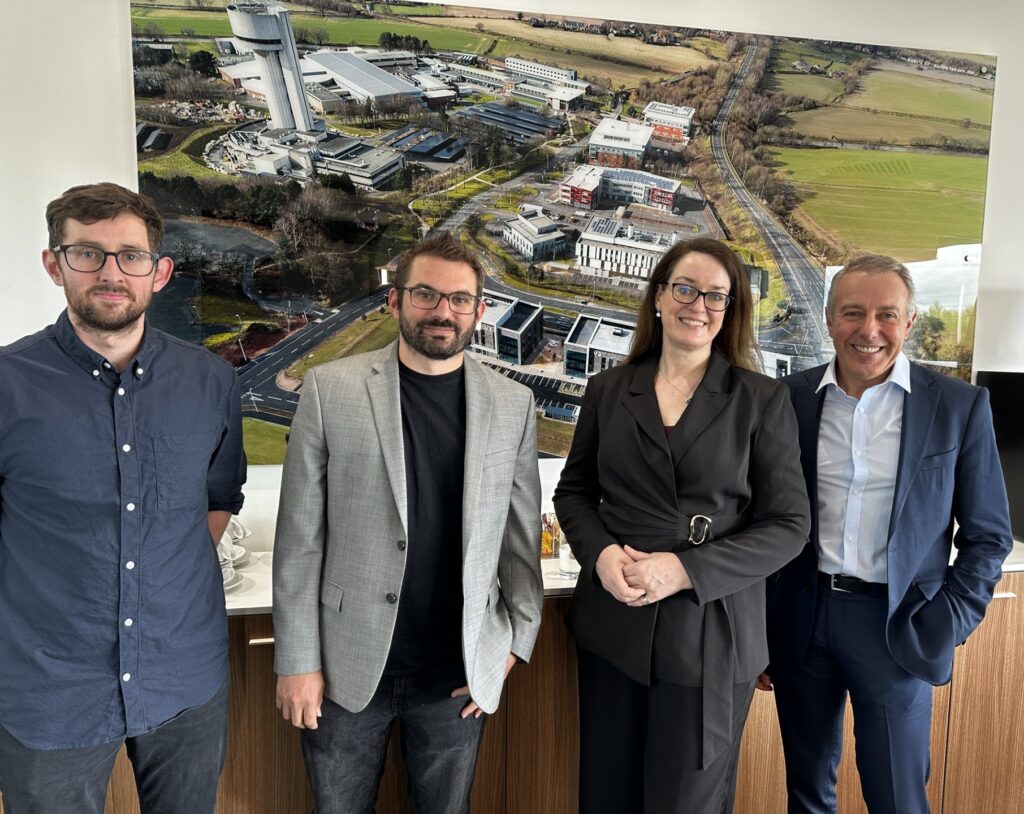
<point>382,385</point>
<point>807,404</point>
<point>710,398</point>
<point>919,407</point>
<point>641,402</point>
<point>478,418</point>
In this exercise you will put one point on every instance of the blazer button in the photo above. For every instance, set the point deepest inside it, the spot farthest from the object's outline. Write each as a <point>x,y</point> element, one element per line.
<point>401,545</point>
<point>391,598</point>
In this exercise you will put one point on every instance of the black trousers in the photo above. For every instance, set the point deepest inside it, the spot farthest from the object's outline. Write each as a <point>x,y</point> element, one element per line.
<point>640,747</point>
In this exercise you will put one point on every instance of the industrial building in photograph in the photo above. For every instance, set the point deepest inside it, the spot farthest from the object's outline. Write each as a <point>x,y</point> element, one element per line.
<point>595,344</point>
<point>510,328</point>
<point>617,143</point>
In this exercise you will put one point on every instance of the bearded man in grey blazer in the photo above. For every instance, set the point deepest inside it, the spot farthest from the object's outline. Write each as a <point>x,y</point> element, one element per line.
<point>407,575</point>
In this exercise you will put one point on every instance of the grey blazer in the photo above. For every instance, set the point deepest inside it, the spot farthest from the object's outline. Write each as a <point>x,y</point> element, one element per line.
<point>339,552</point>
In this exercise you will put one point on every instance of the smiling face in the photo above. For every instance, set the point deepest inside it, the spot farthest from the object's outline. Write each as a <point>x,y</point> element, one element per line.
<point>691,326</point>
<point>106,301</point>
<point>869,323</point>
<point>438,334</point>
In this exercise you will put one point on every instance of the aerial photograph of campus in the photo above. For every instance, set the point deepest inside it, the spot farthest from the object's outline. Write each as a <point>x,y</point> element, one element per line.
<point>297,148</point>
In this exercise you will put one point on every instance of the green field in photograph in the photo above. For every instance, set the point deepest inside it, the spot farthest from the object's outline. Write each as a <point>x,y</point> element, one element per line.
<point>339,32</point>
<point>981,59</point>
<point>847,124</point>
<point>903,204</point>
<point>408,11</point>
<point>899,92</point>
<point>707,45</point>
<point>813,86</point>
<point>264,442</point>
<point>786,52</point>
<point>616,73</point>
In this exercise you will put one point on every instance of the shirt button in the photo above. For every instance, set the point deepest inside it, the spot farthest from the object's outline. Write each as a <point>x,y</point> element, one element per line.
<point>106,365</point>
<point>391,598</point>
<point>856,452</point>
<point>139,371</point>
<point>95,373</point>
<point>127,447</point>
<point>130,564</point>
<point>128,622</point>
<point>120,391</point>
<point>849,536</point>
<point>401,545</point>
<point>126,677</point>
<point>130,507</point>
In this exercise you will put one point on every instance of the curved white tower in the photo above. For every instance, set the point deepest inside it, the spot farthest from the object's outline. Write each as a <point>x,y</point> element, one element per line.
<point>268,31</point>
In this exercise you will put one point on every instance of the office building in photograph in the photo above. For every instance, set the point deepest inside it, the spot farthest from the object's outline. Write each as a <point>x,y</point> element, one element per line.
<point>613,248</point>
<point>669,122</point>
<point>616,143</point>
<point>591,187</point>
<point>534,236</point>
<point>595,344</point>
<point>510,328</point>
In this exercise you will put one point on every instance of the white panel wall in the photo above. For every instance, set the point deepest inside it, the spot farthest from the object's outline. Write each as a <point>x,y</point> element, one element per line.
<point>66,69</point>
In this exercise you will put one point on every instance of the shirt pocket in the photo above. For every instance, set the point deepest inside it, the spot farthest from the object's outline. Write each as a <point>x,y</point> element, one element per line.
<point>182,463</point>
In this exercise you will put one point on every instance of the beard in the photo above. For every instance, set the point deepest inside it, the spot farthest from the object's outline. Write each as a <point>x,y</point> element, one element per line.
<point>94,316</point>
<point>434,347</point>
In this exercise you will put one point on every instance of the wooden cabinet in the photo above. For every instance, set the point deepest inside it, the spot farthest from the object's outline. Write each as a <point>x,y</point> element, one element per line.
<point>529,761</point>
<point>986,716</point>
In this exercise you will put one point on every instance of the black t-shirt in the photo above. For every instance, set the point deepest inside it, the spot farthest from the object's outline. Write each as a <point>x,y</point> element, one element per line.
<point>428,632</point>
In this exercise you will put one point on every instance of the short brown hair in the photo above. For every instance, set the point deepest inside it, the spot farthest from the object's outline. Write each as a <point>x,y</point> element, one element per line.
<point>94,202</point>
<point>873,264</point>
<point>735,340</point>
<point>445,246</point>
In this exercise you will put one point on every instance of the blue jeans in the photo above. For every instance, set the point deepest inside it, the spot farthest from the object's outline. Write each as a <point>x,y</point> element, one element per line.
<point>177,767</point>
<point>345,754</point>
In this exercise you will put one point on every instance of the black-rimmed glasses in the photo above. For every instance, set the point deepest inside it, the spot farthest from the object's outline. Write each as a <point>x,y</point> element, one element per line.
<point>686,294</point>
<point>427,299</point>
<point>88,259</point>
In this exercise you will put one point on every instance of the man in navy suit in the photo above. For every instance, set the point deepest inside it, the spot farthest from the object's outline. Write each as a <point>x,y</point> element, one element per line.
<point>894,456</point>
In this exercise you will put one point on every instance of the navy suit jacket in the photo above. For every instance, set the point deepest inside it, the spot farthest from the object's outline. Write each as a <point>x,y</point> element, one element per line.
<point>948,470</point>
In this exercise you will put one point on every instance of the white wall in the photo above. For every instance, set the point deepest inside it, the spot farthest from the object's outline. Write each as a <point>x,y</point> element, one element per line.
<point>66,68</point>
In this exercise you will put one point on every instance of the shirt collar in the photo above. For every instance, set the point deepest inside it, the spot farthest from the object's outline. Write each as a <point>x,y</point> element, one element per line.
<point>899,375</point>
<point>92,362</point>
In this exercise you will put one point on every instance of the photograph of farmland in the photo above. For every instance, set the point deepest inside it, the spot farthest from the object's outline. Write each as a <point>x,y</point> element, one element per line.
<point>297,148</point>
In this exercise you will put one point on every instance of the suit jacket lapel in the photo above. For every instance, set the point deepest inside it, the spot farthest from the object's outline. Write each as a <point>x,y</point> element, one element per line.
<point>639,399</point>
<point>478,418</point>
<point>710,398</point>
<point>807,404</point>
<point>382,385</point>
<point>919,407</point>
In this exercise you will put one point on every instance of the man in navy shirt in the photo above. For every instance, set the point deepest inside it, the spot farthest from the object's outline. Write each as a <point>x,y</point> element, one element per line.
<point>120,462</point>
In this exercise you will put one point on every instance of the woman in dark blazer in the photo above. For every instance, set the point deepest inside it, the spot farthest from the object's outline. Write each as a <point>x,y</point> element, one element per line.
<point>681,493</point>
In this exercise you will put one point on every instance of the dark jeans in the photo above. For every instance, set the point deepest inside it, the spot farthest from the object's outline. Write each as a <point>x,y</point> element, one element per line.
<point>177,767</point>
<point>891,713</point>
<point>345,754</point>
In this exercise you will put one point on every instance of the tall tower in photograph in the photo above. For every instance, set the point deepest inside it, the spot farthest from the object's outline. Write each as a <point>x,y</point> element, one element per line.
<point>267,30</point>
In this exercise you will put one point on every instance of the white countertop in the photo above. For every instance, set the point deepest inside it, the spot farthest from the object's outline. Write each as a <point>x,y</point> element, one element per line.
<point>253,594</point>
<point>259,515</point>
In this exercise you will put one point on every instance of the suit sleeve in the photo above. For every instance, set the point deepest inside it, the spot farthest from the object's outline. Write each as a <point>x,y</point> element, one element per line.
<point>984,537</point>
<point>779,512</point>
<point>578,493</point>
<point>299,540</point>
<point>519,574</point>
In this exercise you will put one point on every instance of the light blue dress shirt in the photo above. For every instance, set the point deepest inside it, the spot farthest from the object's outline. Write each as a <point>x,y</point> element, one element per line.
<point>858,455</point>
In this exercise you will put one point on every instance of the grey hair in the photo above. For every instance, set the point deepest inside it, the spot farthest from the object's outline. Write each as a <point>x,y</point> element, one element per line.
<point>873,264</point>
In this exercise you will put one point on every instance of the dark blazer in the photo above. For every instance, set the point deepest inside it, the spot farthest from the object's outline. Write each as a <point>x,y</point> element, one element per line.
<point>733,457</point>
<point>948,470</point>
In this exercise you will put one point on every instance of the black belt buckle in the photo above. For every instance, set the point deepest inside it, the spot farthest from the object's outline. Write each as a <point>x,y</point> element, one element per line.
<point>700,527</point>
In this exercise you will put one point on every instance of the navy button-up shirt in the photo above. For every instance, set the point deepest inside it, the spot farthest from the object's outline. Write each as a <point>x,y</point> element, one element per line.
<point>112,613</point>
